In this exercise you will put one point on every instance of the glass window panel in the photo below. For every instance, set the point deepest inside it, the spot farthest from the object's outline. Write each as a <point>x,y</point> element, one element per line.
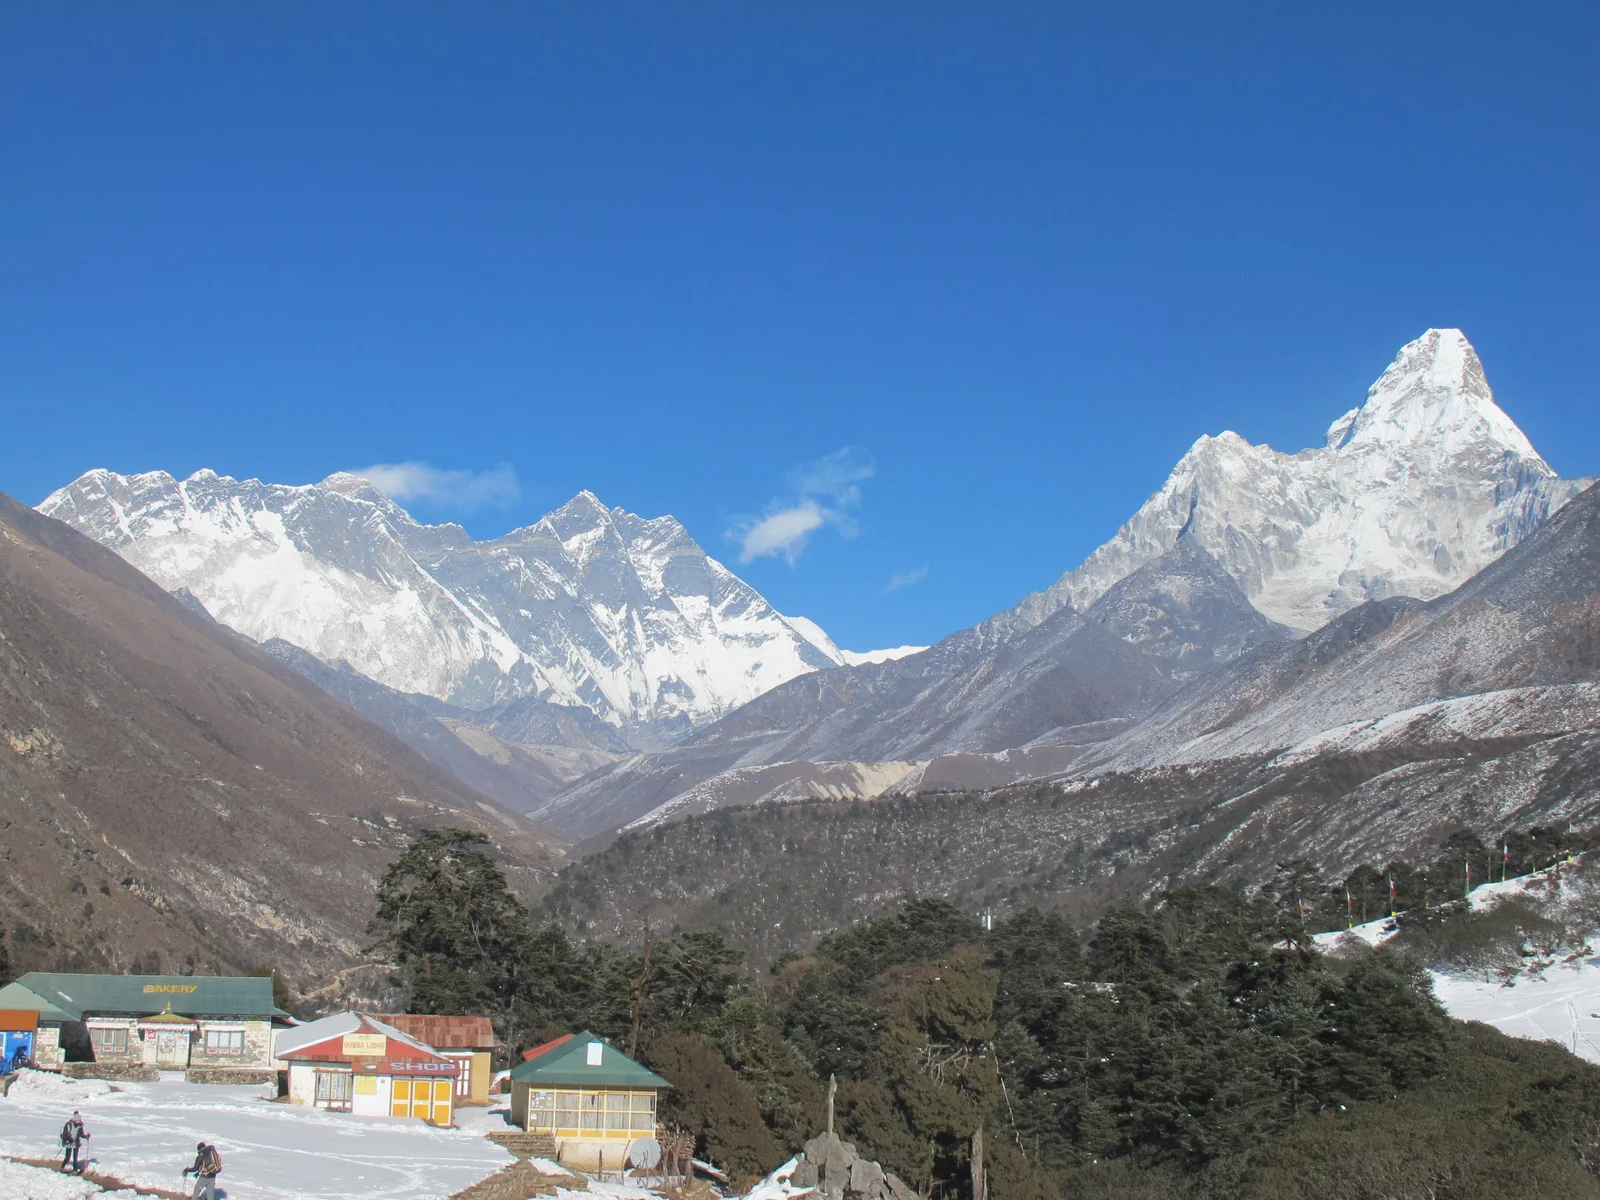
<point>643,1122</point>
<point>644,1102</point>
<point>593,1099</point>
<point>541,1120</point>
<point>542,1099</point>
<point>617,1101</point>
<point>591,1119</point>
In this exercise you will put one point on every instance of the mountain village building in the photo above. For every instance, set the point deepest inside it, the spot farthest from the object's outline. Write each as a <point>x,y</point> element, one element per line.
<point>214,1028</point>
<point>354,1063</point>
<point>470,1041</point>
<point>590,1098</point>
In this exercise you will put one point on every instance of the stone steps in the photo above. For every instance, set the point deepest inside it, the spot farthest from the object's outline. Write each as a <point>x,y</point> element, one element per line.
<point>525,1145</point>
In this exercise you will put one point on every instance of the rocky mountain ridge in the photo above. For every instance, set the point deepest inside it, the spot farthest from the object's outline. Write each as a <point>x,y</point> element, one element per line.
<point>590,607</point>
<point>1417,490</point>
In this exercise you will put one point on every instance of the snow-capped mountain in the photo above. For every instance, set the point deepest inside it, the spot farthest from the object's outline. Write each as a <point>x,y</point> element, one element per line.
<point>1411,494</point>
<point>589,607</point>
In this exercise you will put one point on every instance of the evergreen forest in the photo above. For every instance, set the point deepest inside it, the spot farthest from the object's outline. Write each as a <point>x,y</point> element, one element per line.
<point>1198,1045</point>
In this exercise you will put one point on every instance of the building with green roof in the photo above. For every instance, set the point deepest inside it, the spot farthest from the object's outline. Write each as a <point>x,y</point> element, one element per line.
<point>592,1100</point>
<point>210,1026</point>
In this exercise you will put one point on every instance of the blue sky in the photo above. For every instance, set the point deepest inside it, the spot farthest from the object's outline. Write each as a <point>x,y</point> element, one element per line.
<point>919,300</point>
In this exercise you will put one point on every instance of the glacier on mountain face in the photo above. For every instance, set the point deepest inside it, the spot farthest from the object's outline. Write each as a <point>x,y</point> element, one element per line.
<point>1411,494</point>
<point>588,607</point>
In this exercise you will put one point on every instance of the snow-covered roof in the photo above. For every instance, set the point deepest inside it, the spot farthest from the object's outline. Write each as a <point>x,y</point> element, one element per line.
<point>292,1041</point>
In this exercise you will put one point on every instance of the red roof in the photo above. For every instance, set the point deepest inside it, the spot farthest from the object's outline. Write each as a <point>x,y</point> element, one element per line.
<point>530,1055</point>
<point>443,1033</point>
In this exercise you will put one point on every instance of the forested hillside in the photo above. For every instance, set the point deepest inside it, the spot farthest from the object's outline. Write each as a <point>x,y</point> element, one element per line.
<point>1194,1046</point>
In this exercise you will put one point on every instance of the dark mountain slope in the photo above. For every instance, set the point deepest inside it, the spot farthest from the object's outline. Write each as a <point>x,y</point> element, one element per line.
<point>519,776</point>
<point>1172,620</point>
<point>167,787</point>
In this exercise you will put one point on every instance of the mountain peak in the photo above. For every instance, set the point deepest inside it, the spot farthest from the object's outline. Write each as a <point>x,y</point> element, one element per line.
<point>1434,396</point>
<point>1420,487</point>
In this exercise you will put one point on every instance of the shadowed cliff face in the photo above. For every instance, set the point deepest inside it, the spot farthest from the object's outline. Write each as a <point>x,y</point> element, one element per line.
<point>165,786</point>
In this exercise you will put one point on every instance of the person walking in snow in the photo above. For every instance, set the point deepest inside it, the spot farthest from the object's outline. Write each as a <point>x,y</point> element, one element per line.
<point>207,1166</point>
<point>73,1135</point>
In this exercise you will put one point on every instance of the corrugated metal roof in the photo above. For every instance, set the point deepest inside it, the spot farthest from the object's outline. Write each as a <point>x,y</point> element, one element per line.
<point>143,995</point>
<point>442,1032</point>
<point>567,1065</point>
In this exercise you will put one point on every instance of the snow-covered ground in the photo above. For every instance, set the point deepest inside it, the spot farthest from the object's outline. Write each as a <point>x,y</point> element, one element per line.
<point>1560,1004</point>
<point>1550,1001</point>
<point>145,1134</point>
<point>21,1182</point>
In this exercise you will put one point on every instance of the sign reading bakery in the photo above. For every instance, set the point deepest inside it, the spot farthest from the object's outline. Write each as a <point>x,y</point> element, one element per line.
<point>365,1045</point>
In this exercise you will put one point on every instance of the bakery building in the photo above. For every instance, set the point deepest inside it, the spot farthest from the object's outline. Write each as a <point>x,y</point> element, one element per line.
<point>354,1063</point>
<point>592,1099</point>
<point>214,1028</point>
<point>470,1041</point>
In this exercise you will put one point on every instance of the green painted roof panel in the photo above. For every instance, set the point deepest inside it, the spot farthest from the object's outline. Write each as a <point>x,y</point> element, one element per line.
<point>15,995</point>
<point>144,995</point>
<point>567,1065</point>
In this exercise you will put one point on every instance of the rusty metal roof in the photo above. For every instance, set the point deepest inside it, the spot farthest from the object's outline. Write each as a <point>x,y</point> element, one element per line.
<point>443,1033</point>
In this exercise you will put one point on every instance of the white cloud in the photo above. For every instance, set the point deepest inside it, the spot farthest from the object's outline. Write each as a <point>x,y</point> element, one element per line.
<point>826,492</point>
<point>783,533</point>
<point>465,489</point>
<point>906,579</point>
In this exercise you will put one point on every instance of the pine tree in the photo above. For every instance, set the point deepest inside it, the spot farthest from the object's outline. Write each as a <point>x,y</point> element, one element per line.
<point>457,935</point>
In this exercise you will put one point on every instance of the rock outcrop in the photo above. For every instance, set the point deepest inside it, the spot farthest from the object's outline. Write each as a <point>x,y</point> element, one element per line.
<point>835,1169</point>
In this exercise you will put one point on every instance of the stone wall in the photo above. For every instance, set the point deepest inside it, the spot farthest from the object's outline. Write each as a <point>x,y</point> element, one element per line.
<point>231,1075</point>
<point>117,1072</point>
<point>47,1054</point>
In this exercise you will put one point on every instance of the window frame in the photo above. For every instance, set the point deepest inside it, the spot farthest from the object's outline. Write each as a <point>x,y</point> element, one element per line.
<point>108,1039</point>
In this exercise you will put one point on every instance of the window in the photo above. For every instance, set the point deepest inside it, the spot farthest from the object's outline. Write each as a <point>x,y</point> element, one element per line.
<point>541,1110</point>
<point>644,1112</point>
<point>566,1110</point>
<point>108,1041</point>
<point>590,1111</point>
<point>333,1089</point>
<point>224,1041</point>
<point>616,1111</point>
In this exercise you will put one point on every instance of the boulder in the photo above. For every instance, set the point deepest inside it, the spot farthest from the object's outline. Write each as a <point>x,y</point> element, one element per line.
<point>898,1188</point>
<point>805,1173</point>
<point>866,1178</point>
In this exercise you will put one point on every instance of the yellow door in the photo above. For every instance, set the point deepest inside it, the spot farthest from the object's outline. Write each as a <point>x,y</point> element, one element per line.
<point>421,1099</point>
<point>441,1102</point>
<point>400,1104</point>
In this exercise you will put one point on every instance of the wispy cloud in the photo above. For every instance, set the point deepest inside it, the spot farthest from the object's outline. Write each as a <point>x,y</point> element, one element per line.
<point>826,492</point>
<point>906,579</point>
<point>464,489</point>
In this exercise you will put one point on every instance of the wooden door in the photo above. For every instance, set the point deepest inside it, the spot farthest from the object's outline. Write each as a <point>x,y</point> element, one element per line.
<point>441,1101</point>
<point>400,1098</point>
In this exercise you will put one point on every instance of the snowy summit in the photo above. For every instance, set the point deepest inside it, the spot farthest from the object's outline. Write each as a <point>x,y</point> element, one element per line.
<point>1411,494</point>
<point>589,607</point>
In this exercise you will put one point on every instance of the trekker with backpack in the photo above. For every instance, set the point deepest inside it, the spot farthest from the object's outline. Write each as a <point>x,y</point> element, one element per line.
<point>207,1166</point>
<point>73,1135</point>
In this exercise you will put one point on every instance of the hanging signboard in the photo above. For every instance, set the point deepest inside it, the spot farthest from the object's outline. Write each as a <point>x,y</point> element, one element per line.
<point>365,1045</point>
